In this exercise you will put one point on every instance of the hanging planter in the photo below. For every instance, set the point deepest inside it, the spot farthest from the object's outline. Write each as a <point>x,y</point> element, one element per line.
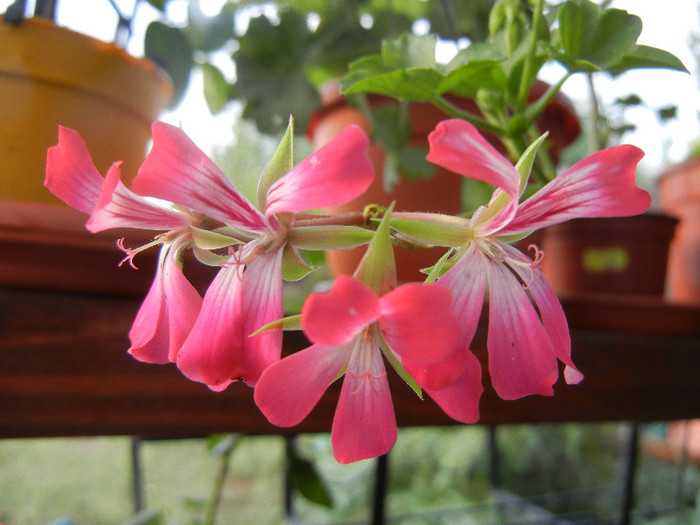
<point>618,255</point>
<point>679,189</point>
<point>51,76</point>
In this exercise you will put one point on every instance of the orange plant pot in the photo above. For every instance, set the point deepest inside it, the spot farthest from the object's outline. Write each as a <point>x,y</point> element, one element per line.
<point>679,189</point>
<point>618,255</point>
<point>51,76</point>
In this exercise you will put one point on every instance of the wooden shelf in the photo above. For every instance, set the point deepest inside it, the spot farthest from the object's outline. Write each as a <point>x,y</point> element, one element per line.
<point>64,370</point>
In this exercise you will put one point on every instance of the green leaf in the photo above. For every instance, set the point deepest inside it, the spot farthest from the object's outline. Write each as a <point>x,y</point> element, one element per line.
<point>294,267</point>
<point>591,38</point>
<point>396,364</point>
<point>643,57</point>
<point>217,90</point>
<point>412,163</point>
<point>211,240</point>
<point>209,258</point>
<point>270,71</point>
<point>291,322</point>
<point>405,70</point>
<point>220,445</point>
<point>305,479</point>
<point>527,160</point>
<point>170,48</point>
<point>209,33</point>
<point>281,163</point>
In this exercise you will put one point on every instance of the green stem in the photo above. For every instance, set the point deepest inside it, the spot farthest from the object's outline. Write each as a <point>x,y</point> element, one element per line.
<point>527,76</point>
<point>453,111</point>
<point>597,139</point>
<point>221,474</point>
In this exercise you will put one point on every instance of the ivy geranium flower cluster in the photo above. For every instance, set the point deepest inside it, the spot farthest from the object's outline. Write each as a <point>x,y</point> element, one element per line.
<point>423,331</point>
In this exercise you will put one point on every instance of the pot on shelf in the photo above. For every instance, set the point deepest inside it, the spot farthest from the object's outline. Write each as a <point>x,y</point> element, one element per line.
<point>679,190</point>
<point>51,76</point>
<point>617,255</point>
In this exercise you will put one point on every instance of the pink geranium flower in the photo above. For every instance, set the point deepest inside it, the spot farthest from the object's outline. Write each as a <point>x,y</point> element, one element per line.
<point>346,325</point>
<point>172,304</point>
<point>247,292</point>
<point>527,330</point>
<point>209,338</point>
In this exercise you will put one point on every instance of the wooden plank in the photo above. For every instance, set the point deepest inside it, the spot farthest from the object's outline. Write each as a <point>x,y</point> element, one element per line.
<point>64,371</point>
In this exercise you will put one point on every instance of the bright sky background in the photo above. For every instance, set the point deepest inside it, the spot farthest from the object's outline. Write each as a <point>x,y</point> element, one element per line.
<point>667,24</point>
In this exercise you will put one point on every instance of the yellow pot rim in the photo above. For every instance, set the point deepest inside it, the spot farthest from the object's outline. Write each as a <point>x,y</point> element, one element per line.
<point>48,53</point>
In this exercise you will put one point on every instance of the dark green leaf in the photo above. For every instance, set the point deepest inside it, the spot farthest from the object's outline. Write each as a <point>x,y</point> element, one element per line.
<point>209,33</point>
<point>158,4</point>
<point>270,71</point>
<point>170,48</point>
<point>629,100</point>
<point>640,57</point>
<point>412,164</point>
<point>591,38</point>
<point>305,479</point>
<point>667,113</point>
<point>217,90</point>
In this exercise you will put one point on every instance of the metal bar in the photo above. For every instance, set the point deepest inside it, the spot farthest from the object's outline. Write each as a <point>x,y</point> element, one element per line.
<point>494,457</point>
<point>136,475</point>
<point>290,445</point>
<point>380,488</point>
<point>630,467</point>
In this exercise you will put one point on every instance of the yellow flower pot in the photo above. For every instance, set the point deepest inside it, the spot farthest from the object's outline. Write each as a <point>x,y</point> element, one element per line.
<point>52,76</point>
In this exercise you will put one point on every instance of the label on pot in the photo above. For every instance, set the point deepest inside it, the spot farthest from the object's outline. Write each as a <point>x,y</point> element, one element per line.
<point>610,259</point>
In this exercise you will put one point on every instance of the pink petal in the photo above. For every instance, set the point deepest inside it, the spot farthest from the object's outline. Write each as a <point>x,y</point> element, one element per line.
<point>364,425</point>
<point>119,207</point>
<point>219,350</point>
<point>456,145</point>
<point>335,174</point>
<point>417,324</point>
<point>166,315</point>
<point>176,170</point>
<point>522,361</point>
<point>467,282</point>
<point>602,185</point>
<point>438,375</point>
<point>71,174</point>
<point>460,400</point>
<point>334,317</point>
<point>289,389</point>
<point>262,304</point>
<point>551,313</point>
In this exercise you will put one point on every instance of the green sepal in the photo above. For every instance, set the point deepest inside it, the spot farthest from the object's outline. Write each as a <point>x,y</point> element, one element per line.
<point>211,240</point>
<point>434,233</point>
<point>377,268</point>
<point>328,237</point>
<point>282,162</point>
<point>291,322</point>
<point>209,258</point>
<point>527,160</point>
<point>403,373</point>
<point>439,269</point>
<point>294,267</point>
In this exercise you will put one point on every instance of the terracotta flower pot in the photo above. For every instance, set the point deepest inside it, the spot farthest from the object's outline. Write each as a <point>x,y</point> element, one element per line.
<point>679,189</point>
<point>50,75</point>
<point>441,193</point>
<point>618,255</point>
